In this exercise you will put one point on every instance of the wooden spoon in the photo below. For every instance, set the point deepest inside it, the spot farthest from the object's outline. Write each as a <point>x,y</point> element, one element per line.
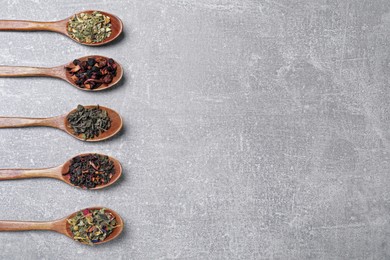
<point>61,225</point>
<point>58,72</point>
<point>61,27</point>
<point>61,122</point>
<point>57,173</point>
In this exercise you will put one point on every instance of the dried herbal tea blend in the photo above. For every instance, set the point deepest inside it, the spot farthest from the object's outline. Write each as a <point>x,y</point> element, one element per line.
<point>94,72</point>
<point>89,171</point>
<point>92,226</point>
<point>89,27</point>
<point>89,122</point>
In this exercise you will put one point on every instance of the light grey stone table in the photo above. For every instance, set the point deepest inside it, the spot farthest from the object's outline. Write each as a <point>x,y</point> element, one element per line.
<point>253,130</point>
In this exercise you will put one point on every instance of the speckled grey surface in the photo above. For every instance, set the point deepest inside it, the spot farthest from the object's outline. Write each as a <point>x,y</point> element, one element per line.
<point>253,130</point>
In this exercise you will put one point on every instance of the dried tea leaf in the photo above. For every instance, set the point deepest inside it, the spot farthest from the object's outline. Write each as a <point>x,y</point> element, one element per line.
<point>92,226</point>
<point>89,122</point>
<point>89,27</point>
<point>89,171</point>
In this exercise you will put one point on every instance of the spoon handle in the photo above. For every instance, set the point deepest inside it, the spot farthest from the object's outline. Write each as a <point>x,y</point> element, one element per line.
<point>20,25</point>
<point>21,71</point>
<point>11,122</point>
<point>9,225</point>
<point>13,174</point>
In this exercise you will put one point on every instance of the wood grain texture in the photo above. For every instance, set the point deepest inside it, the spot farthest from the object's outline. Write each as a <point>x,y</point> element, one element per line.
<point>13,174</point>
<point>12,122</point>
<point>15,71</point>
<point>17,25</point>
<point>25,225</point>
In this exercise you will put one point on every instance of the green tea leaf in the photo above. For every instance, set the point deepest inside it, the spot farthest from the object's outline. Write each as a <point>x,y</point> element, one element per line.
<point>89,27</point>
<point>92,226</point>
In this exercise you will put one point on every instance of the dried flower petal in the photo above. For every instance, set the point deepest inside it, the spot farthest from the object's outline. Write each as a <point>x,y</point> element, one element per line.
<point>94,72</point>
<point>94,228</point>
<point>97,170</point>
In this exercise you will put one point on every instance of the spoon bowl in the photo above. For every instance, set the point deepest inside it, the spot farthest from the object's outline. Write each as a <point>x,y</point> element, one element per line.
<point>116,125</point>
<point>115,177</point>
<point>115,232</point>
<point>116,28</point>
<point>61,225</point>
<point>67,76</point>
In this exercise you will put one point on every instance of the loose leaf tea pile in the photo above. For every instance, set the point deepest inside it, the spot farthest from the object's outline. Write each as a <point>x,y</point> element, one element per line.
<point>92,226</point>
<point>89,171</point>
<point>89,122</point>
<point>94,72</point>
<point>89,27</point>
